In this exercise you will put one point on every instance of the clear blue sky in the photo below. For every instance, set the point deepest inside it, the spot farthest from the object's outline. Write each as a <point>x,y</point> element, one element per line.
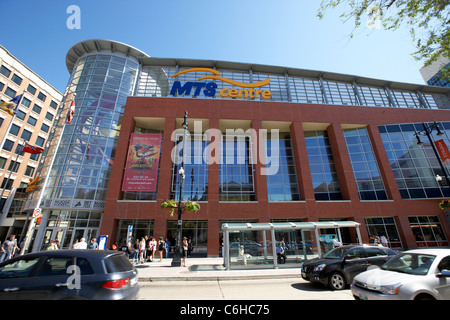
<point>280,33</point>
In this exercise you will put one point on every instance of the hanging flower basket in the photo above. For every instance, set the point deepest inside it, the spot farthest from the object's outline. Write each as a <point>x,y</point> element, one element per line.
<point>444,205</point>
<point>192,206</point>
<point>169,205</point>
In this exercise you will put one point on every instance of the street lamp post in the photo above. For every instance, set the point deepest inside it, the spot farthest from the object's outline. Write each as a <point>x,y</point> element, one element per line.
<point>176,262</point>
<point>427,131</point>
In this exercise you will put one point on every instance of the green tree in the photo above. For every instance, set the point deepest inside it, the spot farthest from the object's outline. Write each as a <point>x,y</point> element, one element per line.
<point>428,22</point>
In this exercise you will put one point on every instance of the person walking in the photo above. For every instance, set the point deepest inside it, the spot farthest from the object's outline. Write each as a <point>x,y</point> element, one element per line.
<point>161,247</point>
<point>8,248</point>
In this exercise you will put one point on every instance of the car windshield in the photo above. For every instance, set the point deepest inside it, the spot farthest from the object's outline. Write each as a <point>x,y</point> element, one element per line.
<point>335,253</point>
<point>411,263</point>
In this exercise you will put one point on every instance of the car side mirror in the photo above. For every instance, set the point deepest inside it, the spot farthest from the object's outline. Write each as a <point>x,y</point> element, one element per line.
<point>444,273</point>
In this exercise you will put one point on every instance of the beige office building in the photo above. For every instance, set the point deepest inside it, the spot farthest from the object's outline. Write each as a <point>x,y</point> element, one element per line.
<point>32,123</point>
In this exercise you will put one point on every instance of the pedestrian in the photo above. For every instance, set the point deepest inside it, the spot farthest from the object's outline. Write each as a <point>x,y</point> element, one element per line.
<point>185,249</point>
<point>335,242</point>
<point>167,247</point>
<point>135,258</point>
<point>52,246</point>
<point>9,247</point>
<point>161,247</point>
<point>142,250</point>
<point>114,246</point>
<point>75,244</point>
<point>280,253</point>
<point>82,244</point>
<point>93,245</point>
<point>190,247</point>
<point>152,244</point>
<point>125,249</point>
<point>384,241</point>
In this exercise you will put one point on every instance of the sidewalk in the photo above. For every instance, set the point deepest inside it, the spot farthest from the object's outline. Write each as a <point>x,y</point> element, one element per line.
<point>201,269</point>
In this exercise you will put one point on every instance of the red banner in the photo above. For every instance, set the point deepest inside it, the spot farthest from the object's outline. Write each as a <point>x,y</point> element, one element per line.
<point>443,151</point>
<point>141,170</point>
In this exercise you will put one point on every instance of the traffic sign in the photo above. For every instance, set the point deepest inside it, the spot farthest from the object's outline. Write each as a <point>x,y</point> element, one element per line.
<point>36,213</point>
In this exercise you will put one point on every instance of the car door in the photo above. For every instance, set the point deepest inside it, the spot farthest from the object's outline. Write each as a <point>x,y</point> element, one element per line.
<point>49,280</point>
<point>355,261</point>
<point>443,285</point>
<point>16,275</point>
<point>376,256</point>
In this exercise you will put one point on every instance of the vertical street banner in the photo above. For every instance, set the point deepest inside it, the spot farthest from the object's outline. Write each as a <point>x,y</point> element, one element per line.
<point>443,151</point>
<point>141,170</point>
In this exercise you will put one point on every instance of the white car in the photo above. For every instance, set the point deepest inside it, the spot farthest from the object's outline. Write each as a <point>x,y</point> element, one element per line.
<point>422,274</point>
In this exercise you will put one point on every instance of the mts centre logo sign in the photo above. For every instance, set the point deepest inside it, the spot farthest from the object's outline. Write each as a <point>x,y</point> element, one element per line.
<point>209,89</point>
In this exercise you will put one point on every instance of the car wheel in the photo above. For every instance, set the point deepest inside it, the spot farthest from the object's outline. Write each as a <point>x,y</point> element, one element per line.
<point>336,281</point>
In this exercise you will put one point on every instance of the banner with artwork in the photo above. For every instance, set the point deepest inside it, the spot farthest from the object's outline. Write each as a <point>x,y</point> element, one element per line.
<point>141,170</point>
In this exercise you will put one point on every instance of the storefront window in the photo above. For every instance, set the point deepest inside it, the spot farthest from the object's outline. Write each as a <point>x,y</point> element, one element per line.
<point>428,231</point>
<point>380,227</point>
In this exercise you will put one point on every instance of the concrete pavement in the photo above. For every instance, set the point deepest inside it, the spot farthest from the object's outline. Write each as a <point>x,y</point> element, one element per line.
<point>198,269</point>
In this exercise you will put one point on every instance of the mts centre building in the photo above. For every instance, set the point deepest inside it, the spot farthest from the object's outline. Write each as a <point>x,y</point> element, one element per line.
<point>265,144</point>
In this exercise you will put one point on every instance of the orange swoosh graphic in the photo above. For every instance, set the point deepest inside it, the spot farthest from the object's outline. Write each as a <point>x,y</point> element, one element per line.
<point>239,84</point>
<point>216,77</point>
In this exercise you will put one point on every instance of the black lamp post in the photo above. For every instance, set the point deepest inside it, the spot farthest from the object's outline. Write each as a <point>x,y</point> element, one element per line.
<point>427,131</point>
<point>176,262</point>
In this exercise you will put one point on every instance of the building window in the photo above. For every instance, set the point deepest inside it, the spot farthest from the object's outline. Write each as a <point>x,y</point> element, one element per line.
<point>32,121</point>
<point>53,105</point>
<point>5,71</point>
<point>282,185</point>
<point>321,163</point>
<point>29,171</point>
<point>2,162</point>
<point>236,181</point>
<point>31,89</point>
<point>37,109</point>
<point>45,128</point>
<point>49,116</point>
<point>20,114</point>
<point>26,135</point>
<point>16,79</point>
<point>414,166</point>
<point>7,184</point>
<point>195,185</point>
<point>365,168</point>
<point>40,141</point>
<point>384,227</point>
<point>428,231</point>
<point>8,145</point>
<point>14,130</point>
<point>42,96</point>
<point>14,166</point>
<point>25,102</point>
<point>10,92</point>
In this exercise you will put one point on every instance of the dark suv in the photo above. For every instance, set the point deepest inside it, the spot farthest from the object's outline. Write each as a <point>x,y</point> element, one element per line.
<point>69,274</point>
<point>337,267</point>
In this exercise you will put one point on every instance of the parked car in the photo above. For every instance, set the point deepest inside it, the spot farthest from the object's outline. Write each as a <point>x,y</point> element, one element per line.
<point>69,274</point>
<point>337,267</point>
<point>420,274</point>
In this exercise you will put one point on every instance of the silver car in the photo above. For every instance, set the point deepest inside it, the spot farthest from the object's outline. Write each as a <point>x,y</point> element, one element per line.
<point>420,274</point>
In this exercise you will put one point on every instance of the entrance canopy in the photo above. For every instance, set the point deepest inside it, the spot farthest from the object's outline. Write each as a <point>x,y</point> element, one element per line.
<point>255,244</point>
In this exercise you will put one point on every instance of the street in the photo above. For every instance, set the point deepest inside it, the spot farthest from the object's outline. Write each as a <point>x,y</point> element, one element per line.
<point>267,289</point>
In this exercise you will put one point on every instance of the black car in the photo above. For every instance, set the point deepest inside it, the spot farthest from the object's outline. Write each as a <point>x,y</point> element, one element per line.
<point>337,267</point>
<point>69,274</point>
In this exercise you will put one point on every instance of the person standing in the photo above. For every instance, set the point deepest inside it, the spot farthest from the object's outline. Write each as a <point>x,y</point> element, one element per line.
<point>82,244</point>
<point>8,248</point>
<point>52,246</point>
<point>167,247</point>
<point>93,245</point>
<point>152,244</point>
<point>142,250</point>
<point>185,249</point>
<point>161,247</point>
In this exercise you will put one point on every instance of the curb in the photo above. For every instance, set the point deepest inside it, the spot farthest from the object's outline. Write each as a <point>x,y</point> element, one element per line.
<point>217,277</point>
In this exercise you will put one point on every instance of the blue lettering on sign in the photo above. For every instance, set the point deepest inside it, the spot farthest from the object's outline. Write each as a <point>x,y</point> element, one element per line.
<point>178,89</point>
